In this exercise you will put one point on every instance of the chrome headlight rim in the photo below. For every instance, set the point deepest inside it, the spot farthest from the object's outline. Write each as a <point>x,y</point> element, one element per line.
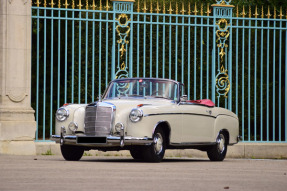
<point>136,118</point>
<point>64,116</point>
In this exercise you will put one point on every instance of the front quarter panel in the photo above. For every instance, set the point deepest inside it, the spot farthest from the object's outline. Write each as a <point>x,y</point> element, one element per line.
<point>231,124</point>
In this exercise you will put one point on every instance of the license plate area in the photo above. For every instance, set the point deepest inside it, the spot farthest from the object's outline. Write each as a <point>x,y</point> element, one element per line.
<point>91,140</point>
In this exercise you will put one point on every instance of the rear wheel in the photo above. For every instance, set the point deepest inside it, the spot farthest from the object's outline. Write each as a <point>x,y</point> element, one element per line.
<point>218,151</point>
<point>155,152</point>
<point>72,153</point>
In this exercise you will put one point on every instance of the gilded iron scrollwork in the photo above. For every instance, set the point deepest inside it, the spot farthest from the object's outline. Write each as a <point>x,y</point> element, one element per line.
<point>222,34</point>
<point>123,30</point>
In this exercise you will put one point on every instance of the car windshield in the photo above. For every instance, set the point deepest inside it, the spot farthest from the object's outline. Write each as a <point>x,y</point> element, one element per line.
<point>142,88</point>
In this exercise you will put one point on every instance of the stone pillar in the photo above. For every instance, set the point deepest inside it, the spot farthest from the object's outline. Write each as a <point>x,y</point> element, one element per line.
<point>17,121</point>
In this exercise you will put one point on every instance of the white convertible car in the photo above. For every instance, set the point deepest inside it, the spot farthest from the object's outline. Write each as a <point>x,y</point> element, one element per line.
<point>146,116</point>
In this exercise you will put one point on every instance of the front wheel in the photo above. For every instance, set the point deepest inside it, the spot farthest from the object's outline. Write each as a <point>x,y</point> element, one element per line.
<point>137,152</point>
<point>218,151</point>
<point>72,153</point>
<point>155,152</point>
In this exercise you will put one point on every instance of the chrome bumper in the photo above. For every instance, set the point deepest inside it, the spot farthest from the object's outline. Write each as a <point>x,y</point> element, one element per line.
<point>110,141</point>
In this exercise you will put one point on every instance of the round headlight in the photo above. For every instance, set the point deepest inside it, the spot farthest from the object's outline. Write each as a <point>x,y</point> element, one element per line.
<point>62,114</point>
<point>73,126</point>
<point>136,115</point>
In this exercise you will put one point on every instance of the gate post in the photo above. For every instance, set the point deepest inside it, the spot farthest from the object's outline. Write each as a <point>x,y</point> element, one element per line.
<point>122,30</point>
<point>222,57</point>
<point>17,121</point>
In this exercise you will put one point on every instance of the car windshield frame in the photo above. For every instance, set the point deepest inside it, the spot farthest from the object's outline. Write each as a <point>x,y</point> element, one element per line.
<point>152,88</point>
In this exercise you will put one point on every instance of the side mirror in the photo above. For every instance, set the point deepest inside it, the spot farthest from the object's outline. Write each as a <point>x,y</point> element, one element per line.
<point>183,98</point>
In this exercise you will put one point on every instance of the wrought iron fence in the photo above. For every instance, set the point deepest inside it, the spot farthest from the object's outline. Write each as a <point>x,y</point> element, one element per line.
<point>221,52</point>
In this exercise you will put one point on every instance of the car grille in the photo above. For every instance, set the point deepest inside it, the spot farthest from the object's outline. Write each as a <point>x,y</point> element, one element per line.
<point>98,120</point>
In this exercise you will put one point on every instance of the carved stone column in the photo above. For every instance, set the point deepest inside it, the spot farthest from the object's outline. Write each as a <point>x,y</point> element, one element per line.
<point>17,121</point>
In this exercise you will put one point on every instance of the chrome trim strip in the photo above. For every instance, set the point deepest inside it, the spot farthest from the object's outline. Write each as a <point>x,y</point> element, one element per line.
<point>154,114</point>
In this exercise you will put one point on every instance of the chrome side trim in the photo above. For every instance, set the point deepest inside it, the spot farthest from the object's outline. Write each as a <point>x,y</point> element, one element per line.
<point>154,114</point>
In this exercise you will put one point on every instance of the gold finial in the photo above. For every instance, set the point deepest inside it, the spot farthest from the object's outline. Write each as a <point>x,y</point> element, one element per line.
<point>189,11</point>
<point>38,3</point>
<point>66,4</point>
<point>243,12</point>
<point>182,11</point>
<point>262,12</point>
<point>87,5</point>
<point>223,2</point>
<point>274,12</point>
<point>256,13</point>
<point>45,3</point>
<point>93,5</point>
<point>195,9</point>
<point>144,9</point>
<point>138,6</point>
<point>268,13</point>
<point>80,4</point>
<point>100,5</point>
<point>59,4</point>
<point>176,8</point>
<point>52,3</point>
<point>150,6</point>
<point>208,11</point>
<point>170,9</point>
<point>157,7</point>
<point>107,5</point>
<point>250,11</point>
<point>163,7</point>
<point>281,14</point>
<point>201,9</point>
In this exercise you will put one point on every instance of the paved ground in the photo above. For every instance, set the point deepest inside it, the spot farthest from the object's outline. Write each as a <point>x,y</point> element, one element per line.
<point>111,173</point>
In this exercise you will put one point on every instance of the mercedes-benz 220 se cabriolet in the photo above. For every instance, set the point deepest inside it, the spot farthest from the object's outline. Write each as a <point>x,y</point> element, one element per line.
<point>145,116</point>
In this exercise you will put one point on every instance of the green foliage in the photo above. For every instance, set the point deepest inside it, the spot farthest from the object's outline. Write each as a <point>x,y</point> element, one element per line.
<point>48,152</point>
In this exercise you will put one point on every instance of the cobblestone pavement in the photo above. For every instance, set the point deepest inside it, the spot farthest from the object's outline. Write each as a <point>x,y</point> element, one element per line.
<point>119,173</point>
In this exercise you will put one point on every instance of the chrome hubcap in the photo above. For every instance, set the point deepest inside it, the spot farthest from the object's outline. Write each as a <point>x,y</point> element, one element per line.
<point>221,143</point>
<point>158,141</point>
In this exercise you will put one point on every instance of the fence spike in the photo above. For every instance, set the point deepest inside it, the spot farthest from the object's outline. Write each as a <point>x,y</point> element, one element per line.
<point>170,9</point>
<point>144,9</point>
<point>38,3</point>
<point>182,10</point>
<point>275,12</point>
<point>201,9</point>
<point>163,7</point>
<point>93,5</point>
<point>268,13</point>
<point>66,4</point>
<point>256,12</point>
<point>176,8</point>
<point>157,7</point>
<point>45,3</point>
<point>262,12</point>
<point>281,14</point>
<point>208,11</point>
<point>59,4</point>
<point>80,4</point>
<point>250,11</point>
<point>243,12</point>
<point>100,5</point>
<point>52,3</point>
<point>150,6</point>
<point>107,5</point>
<point>195,9</point>
<point>138,6</point>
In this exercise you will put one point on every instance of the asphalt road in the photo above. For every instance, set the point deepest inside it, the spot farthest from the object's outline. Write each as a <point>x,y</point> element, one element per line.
<point>118,173</point>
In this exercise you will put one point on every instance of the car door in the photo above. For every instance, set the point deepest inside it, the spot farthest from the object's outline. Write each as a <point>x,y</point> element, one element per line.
<point>197,123</point>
